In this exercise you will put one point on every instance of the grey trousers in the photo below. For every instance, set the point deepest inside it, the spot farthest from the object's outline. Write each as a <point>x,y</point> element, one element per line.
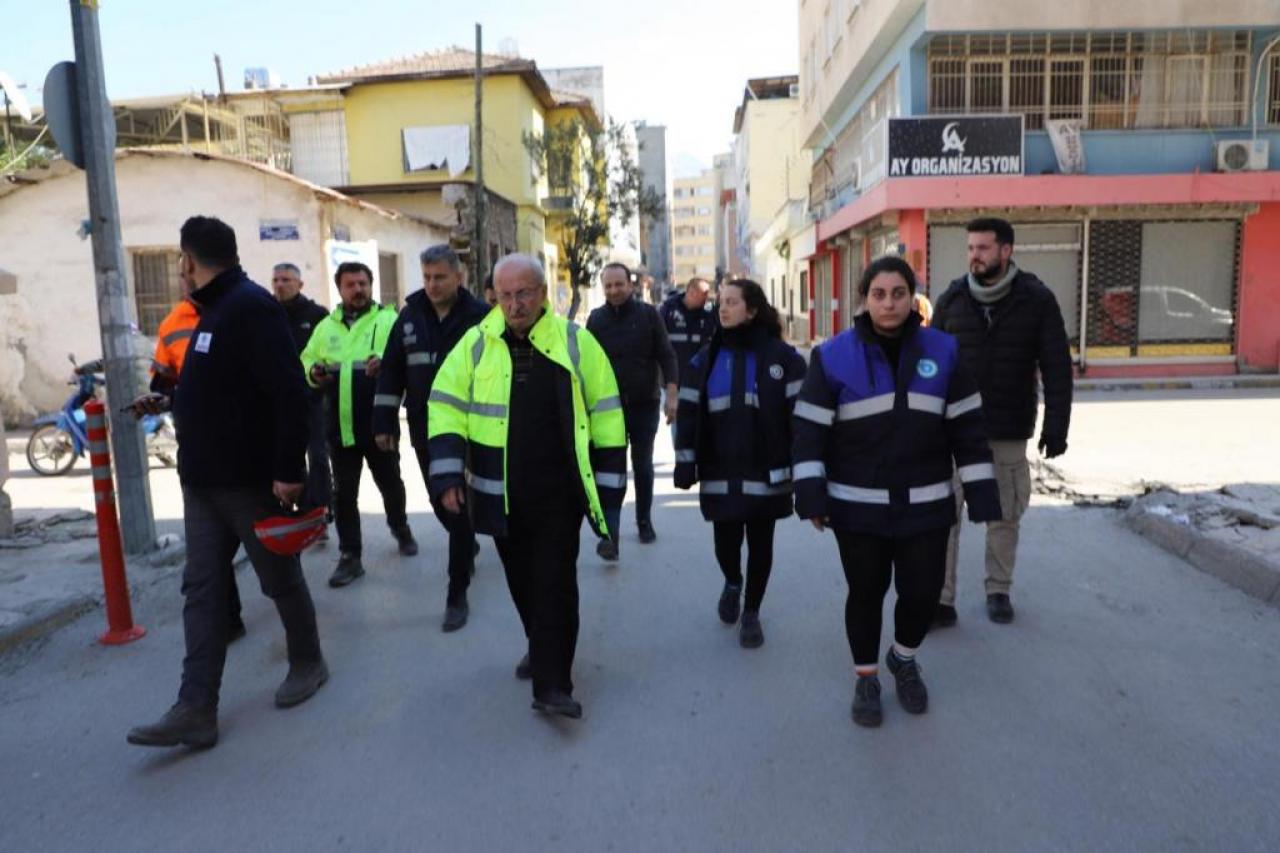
<point>217,522</point>
<point>1013,478</point>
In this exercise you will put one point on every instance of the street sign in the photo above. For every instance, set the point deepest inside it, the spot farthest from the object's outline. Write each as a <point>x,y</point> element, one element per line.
<point>278,229</point>
<point>62,111</point>
<point>955,145</point>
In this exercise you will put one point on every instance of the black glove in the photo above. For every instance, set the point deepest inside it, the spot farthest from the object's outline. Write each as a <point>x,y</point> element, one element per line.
<point>1051,446</point>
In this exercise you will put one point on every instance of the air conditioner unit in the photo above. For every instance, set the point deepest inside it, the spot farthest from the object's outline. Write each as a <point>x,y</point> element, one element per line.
<point>793,91</point>
<point>1242,155</point>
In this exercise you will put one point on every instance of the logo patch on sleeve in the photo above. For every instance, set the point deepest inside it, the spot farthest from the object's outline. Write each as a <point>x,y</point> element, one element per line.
<point>927,368</point>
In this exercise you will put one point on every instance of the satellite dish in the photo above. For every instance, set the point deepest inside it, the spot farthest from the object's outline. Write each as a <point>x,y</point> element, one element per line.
<point>17,100</point>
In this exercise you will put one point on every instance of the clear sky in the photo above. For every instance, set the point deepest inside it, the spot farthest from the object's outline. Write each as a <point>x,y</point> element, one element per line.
<point>682,63</point>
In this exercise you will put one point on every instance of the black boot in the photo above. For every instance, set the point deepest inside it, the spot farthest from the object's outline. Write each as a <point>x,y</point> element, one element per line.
<point>647,534</point>
<point>455,615</point>
<point>408,545</point>
<point>607,550</point>
<point>558,702</point>
<point>944,616</point>
<point>195,726</point>
<point>730,602</point>
<point>349,568</point>
<point>750,634</point>
<point>302,682</point>
<point>913,696</point>
<point>999,609</point>
<point>866,702</point>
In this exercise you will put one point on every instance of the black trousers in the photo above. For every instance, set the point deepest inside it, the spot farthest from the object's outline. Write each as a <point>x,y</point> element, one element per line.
<point>217,521</point>
<point>641,421</point>
<point>759,535</point>
<point>319,488</point>
<point>540,557</point>
<point>462,538</point>
<point>348,464</point>
<point>917,566</point>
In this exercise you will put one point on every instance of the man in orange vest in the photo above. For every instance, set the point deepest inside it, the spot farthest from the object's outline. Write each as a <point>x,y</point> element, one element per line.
<point>172,339</point>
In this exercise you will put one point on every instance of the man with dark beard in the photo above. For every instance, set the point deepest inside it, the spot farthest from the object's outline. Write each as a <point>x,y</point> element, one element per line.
<point>1009,327</point>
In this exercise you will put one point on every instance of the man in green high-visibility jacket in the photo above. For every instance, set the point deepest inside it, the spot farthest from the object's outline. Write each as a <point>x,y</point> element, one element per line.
<point>525,432</point>
<point>343,358</point>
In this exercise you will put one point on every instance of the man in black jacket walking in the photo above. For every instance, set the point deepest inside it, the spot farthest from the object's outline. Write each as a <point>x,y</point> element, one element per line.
<point>635,339</point>
<point>241,417</point>
<point>304,315</point>
<point>1009,327</point>
<point>429,326</point>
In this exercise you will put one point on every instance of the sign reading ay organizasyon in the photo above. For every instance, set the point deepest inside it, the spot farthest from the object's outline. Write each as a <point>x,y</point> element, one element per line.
<point>935,146</point>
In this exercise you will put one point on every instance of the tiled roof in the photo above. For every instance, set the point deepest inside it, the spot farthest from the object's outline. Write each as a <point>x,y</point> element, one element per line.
<point>452,60</point>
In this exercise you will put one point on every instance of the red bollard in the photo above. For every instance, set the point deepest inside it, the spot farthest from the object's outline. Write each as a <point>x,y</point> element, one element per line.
<point>120,627</point>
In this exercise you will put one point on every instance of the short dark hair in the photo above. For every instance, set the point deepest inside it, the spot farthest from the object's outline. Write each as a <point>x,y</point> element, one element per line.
<point>618,265</point>
<point>441,254</point>
<point>889,264</point>
<point>348,268</point>
<point>1002,229</point>
<point>210,242</point>
<point>753,294</point>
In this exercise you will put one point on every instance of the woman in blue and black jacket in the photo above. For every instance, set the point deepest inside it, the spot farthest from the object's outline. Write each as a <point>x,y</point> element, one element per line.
<point>733,435</point>
<point>888,422</point>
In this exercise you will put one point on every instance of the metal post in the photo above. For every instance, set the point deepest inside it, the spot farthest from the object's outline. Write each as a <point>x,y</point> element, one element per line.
<point>114,317</point>
<point>481,238</point>
<point>1084,298</point>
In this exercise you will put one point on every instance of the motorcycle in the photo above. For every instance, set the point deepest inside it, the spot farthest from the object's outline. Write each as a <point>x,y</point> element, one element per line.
<point>60,438</point>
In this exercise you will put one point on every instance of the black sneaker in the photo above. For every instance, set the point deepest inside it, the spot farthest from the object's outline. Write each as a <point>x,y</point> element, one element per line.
<point>558,702</point>
<point>730,601</point>
<point>607,549</point>
<point>647,534</point>
<point>750,634</point>
<point>195,726</point>
<point>944,616</point>
<point>524,670</point>
<point>408,545</point>
<point>302,682</point>
<point>866,702</point>
<point>455,616</point>
<point>349,568</point>
<point>999,609</point>
<point>913,696</point>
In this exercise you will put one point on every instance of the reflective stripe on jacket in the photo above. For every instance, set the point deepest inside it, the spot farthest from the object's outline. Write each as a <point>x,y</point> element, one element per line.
<point>874,450</point>
<point>346,350</point>
<point>172,339</point>
<point>467,419</point>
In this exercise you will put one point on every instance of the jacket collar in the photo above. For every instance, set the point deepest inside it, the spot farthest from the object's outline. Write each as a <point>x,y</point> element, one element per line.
<point>217,286</point>
<point>867,333</point>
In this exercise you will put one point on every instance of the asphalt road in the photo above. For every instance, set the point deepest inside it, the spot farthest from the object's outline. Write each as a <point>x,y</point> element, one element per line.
<point>1131,706</point>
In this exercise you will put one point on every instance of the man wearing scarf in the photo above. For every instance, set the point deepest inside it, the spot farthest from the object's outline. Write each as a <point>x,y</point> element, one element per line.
<point>1009,327</point>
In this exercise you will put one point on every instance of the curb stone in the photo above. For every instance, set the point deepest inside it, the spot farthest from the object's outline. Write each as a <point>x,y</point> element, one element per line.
<point>1241,569</point>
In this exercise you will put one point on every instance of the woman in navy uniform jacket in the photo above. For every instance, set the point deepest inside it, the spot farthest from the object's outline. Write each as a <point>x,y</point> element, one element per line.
<point>733,436</point>
<point>885,410</point>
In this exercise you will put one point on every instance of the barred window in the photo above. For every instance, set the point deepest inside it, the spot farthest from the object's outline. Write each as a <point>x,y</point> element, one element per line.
<point>1110,80</point>
<point>156,286</point>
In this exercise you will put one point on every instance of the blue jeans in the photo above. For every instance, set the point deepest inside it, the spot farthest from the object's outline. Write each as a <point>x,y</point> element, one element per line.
<point>642,428</point>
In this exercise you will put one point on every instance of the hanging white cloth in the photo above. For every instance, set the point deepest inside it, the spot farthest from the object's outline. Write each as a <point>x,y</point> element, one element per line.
<point>443,146</point>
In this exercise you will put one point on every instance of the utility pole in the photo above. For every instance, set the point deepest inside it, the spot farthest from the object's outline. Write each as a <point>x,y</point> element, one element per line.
<point>97,126</point>
<point>481,238</point>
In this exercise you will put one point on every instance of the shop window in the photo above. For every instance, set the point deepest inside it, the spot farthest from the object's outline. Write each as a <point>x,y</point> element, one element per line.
<point>1188,275</point>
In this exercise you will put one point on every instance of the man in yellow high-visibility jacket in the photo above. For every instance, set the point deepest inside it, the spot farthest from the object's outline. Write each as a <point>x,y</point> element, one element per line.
<point>525,432</point>
<point>343,357</point>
